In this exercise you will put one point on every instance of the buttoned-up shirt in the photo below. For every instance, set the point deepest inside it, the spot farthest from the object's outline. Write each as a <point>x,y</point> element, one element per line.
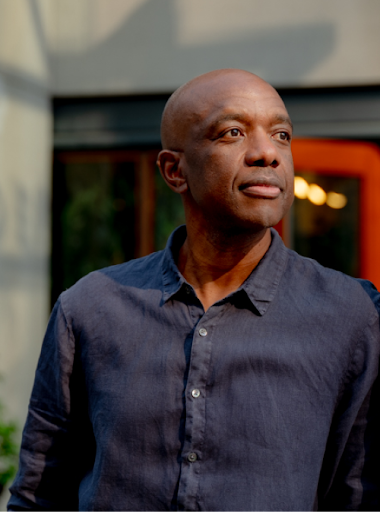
<point>144,401</point>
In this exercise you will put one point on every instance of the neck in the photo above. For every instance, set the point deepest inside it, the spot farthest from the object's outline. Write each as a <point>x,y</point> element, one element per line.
<point>216,264</point>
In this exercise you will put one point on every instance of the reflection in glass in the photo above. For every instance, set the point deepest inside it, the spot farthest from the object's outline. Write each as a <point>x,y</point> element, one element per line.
<point>301,187</point>
<point>316,194</point>
<point>335,200</point>
<point>93,219</point>
<point>325,223</point>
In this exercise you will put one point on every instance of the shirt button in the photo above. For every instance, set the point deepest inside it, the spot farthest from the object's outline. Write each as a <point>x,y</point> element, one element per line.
<point>202,331</point>
<point>192,457</point>
<point>195,393</point>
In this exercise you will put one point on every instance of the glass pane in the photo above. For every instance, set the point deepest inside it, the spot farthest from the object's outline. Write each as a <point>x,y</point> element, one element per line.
<point>169,212</point>
<point>325,220</point>
<point>93,219</point>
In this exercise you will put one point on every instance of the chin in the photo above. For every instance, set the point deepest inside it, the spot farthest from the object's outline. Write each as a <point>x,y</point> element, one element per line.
<point>269,217</point>
<point>251,220</point>
<point>263,221</point>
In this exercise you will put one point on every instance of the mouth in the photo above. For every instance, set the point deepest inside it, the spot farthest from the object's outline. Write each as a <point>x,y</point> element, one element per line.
<point>261,188</point>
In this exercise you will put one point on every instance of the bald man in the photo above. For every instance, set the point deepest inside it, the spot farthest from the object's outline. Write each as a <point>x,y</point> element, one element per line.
<point>223,373</point>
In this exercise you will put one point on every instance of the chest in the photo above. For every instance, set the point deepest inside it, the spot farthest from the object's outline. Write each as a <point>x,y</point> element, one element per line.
<point>272,366</point>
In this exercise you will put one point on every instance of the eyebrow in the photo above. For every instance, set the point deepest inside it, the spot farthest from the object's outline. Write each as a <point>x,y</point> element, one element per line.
<point>278,118</point>
<point>230,117</point>
<point>284,119</point>
<point>226,117</point>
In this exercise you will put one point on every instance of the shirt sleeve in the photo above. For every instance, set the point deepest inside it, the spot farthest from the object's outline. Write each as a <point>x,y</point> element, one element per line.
<point>372,291</point>
<point>56,438</point>
<point>350,474</point>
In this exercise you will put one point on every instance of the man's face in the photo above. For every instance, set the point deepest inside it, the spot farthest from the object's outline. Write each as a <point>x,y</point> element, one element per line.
<point>236,156</point>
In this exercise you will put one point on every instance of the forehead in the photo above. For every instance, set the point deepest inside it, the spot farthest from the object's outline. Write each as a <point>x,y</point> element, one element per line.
<point>246,100</point>
<point>246,108</point>
<point>245,103</point>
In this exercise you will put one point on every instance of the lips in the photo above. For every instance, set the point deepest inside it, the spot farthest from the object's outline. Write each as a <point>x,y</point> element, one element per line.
<point>262,188</point>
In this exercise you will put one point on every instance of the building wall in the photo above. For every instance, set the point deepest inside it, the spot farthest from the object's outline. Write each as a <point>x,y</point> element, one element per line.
<point>25,146</point>
<point>129,46</point>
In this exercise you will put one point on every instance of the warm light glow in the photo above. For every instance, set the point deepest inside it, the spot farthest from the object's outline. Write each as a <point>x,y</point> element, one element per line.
<point>316,194</point>
<point>301,187</point>
<point>336,201</point>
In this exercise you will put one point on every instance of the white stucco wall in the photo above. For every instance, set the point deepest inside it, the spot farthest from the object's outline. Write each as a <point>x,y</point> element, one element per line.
<point>25,155</point>
<point>128,46</point>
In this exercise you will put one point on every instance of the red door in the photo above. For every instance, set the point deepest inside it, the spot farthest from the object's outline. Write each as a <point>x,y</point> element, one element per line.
<point>337,212</point>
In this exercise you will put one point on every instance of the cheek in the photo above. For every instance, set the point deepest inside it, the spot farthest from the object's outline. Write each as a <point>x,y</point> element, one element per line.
<point>222,167</point>
<point>289,175</point>
<point>207,168</point>
<point>289,192</point>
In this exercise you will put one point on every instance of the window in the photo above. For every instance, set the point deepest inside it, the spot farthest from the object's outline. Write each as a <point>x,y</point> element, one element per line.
<point>108,207</point>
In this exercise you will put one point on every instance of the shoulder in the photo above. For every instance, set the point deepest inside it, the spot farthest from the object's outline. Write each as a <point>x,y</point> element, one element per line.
<point>372,292</point>
<point>107,285</point>
<point>140,272</point>
<point>331,289</point>
<point>335,311</point>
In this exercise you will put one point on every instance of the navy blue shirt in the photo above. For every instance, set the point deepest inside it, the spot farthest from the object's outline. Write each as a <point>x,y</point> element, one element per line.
<point>142,401</point>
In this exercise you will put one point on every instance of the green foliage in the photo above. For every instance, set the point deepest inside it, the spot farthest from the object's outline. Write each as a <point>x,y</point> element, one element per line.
<point>97,220</point>
<point>8,450</point>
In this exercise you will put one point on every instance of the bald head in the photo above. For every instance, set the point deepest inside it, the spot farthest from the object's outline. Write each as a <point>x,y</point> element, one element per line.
<point>190,102</point>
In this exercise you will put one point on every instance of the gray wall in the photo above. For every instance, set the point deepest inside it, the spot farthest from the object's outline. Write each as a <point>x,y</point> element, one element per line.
<point>25,146</point>
<point>126,46</point>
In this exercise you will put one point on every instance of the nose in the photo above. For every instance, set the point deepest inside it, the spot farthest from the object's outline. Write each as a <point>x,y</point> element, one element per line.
<point>261,151</point>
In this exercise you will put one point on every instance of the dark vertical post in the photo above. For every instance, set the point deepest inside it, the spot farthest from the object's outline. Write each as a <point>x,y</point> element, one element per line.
<point>145,203</point>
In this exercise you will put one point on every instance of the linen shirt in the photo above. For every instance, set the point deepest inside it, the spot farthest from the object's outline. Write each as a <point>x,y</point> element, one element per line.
<point>142,401</point>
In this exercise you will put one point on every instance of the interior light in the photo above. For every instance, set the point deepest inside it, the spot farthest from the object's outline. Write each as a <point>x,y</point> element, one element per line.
<point>335,200</point>
<point>301,187</point>
<point>316,194</point>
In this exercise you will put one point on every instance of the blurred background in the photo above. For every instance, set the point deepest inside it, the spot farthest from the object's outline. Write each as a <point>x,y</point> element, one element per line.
<point>82,87</point>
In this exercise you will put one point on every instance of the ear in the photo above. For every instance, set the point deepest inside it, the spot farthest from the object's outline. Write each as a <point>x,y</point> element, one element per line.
<point>169,163</point>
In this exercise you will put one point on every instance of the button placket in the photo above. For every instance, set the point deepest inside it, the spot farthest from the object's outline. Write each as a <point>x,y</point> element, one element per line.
<point>195,416</point>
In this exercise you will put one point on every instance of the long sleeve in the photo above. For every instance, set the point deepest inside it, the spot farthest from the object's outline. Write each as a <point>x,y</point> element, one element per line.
<point>373,293</point>
<point>350,477</point>
<point>56,431</point>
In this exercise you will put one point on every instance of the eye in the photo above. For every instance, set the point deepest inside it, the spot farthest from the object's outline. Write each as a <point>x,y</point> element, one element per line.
<point>283,136</point>
<point>234,132</point>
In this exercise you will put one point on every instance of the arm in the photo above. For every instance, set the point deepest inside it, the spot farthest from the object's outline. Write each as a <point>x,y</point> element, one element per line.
<point>55,431</point>
<point>350,478</point>
<point>373,294</point>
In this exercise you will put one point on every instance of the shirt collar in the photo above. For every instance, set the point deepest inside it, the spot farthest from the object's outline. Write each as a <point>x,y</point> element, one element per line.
<point>261,285</point>
<point>171,276</point>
